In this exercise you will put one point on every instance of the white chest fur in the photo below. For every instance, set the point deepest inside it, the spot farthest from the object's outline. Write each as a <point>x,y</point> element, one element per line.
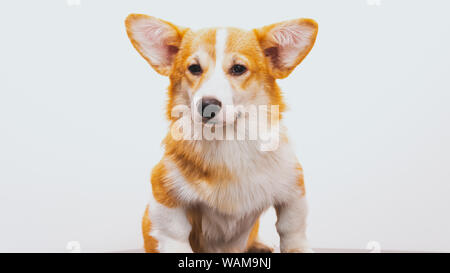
<point>263,179</point>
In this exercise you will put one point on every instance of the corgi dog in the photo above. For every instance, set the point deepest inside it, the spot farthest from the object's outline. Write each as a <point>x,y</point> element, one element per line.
<point>211,186</point>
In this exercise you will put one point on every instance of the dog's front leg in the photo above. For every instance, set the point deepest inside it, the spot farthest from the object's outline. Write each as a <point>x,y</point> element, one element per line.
<point>170,228</point>
<point>291,225</point>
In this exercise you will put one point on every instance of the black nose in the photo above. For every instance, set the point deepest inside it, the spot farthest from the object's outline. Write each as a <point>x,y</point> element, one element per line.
<point>209,108</point>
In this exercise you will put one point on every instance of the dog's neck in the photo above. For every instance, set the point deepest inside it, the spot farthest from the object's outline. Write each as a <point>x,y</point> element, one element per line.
<point>216,160</point>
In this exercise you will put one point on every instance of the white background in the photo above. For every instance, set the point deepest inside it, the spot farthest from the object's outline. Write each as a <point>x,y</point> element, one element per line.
<point>82,118</point>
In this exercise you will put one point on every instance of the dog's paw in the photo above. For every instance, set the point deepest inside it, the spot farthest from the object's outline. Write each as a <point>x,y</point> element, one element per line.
<point>258,247</point>
<point>298,250</point>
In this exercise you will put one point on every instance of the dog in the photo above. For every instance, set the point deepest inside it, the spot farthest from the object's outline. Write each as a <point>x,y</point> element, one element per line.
<point>208,193</point>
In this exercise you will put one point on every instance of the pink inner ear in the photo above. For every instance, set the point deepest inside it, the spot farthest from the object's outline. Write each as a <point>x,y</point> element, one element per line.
<point>286,36</point>
<point>152,37</point>
<point>291,40</point>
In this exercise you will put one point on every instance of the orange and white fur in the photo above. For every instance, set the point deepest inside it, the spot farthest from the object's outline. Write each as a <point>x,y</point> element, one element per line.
<point>208,195</point>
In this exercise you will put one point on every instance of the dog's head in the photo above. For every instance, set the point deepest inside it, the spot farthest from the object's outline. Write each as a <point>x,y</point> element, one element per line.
<point>212,71</point>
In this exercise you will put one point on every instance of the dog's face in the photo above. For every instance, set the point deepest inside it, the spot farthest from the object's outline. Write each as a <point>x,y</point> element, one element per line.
<point>218,72</point>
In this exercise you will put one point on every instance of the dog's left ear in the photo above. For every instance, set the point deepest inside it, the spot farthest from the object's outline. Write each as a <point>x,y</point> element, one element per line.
<point>156,40</point>
<point>286,44</point>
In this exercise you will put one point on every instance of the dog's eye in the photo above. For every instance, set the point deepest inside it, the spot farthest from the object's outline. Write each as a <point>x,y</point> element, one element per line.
<point>195,69</point>
<point>237,69</point>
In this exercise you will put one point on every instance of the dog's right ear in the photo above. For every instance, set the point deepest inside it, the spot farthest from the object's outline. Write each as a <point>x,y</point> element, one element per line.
<point>156,40</point>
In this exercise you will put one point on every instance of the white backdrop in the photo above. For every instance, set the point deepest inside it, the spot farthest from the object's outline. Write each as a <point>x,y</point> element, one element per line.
<point>82,118</point>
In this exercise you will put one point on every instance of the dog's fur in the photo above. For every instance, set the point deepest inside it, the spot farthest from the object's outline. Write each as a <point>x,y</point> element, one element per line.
<point>207,195</point>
